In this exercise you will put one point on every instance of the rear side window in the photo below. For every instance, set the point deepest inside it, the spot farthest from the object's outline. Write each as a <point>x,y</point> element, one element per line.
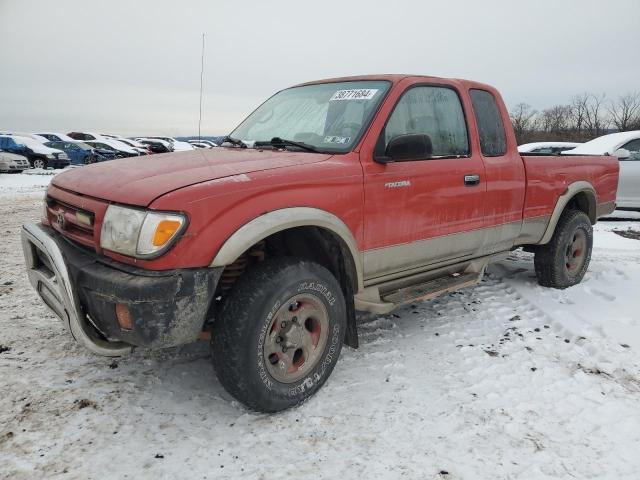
<point>493,141</point>
<point>632,146</point>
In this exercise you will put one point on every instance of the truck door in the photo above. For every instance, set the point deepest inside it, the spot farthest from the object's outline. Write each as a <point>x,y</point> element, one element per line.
<point>426,208</point>
<point>504,170</point>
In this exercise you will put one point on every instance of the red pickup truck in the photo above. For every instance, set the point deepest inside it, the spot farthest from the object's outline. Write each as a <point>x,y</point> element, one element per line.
<point>360,193</point>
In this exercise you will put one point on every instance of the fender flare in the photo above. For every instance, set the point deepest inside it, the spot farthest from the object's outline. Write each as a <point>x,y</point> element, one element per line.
<point>572,190</point>
<point>283,219</point>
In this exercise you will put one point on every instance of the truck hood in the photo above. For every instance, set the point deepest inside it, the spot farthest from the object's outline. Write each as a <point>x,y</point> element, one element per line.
<point>140,180</point>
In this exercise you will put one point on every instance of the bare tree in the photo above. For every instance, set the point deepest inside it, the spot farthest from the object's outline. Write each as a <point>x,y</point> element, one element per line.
<point>555,121</point>
<point>595,123</point>
<point>579,105</point>
<point>523,120</point>
<point>625,113</point>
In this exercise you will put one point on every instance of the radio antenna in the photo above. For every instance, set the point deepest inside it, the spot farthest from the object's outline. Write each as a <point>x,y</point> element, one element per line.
<point>201,77</point>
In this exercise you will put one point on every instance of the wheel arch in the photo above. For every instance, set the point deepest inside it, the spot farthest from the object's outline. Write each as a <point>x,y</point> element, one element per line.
<point>280,220</point>
<point>579,195</point>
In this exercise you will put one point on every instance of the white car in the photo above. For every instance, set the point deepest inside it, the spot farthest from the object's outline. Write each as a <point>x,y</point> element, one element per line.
<point>12,162</point>
<point>178,146</point>
<point>625,146</point>
<point>547,147</point>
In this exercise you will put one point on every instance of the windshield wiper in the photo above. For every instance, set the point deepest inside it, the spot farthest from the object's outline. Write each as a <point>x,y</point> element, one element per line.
<point>281,142</point>
<point>233,141</point>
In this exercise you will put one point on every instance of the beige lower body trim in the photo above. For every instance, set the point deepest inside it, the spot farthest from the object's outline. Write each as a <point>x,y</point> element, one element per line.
<point>384,264</point>
<point>605,208</point>
<point>532,230</point>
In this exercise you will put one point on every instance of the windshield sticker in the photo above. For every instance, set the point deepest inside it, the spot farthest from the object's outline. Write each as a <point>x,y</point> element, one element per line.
<point>334,139</point>
<point>356,94</point>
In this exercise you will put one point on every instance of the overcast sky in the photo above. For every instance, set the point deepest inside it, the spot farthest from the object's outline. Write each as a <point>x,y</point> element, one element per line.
<point>133,67</point>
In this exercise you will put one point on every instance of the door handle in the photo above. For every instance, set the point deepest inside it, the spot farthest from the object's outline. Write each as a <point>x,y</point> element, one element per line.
<point>472,180</point>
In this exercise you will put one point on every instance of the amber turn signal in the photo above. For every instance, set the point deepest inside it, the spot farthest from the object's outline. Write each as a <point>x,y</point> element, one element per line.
<point>124,316</point>
<point>164,231</point>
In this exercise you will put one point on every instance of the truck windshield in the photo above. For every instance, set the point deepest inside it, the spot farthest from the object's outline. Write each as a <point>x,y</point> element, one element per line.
<point>329,117</point>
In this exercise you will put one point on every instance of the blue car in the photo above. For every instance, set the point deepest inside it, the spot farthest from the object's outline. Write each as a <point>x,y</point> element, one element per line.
<point>82,154</point>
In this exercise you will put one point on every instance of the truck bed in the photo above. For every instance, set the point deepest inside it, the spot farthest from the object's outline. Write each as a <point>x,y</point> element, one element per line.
<point>549,175</point>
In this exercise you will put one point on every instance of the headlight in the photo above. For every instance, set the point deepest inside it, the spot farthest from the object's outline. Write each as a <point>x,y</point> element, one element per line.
<point>140,233</point>
<point>50,155</point>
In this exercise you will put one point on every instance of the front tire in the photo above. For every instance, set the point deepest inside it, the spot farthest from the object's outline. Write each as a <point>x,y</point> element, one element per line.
<point>279,334</point>
<point>563,262</point>
<point>40,163</point>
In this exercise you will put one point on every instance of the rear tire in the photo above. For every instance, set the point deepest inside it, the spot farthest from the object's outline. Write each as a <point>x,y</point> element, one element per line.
<point>563,262</point>
<point>279,333</point>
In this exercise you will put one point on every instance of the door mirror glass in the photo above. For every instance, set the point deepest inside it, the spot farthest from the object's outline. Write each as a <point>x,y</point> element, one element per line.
<point>413,146</point>
<point>622,154</point>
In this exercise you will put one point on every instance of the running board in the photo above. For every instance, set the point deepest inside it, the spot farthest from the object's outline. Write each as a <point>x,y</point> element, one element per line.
<point>381,303</point>
<point>432,288</point>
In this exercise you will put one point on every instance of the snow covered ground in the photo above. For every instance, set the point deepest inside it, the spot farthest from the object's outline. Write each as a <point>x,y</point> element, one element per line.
<point>502,380</point>
<point>32,180</point>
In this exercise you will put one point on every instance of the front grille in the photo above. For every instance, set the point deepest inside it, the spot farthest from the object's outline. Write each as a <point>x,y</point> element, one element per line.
<point>71,221</point>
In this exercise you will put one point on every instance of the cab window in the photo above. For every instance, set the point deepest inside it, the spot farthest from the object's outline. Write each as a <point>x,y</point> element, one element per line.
<point>432,111</point>
<point>493,141</point>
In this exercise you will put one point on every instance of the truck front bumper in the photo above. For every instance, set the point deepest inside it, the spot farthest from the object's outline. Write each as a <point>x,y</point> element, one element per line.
<point>164,308</point>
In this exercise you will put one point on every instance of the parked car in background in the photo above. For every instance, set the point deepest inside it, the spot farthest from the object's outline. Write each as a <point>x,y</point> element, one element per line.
<point>12,162</point>
<point>114,143</point>
<point>547,147</point>
<point>156,145</point>
<point>205,142</point>
<point>178,146</point>
<point>200,145</point>
<point>33,136</point>
<point>137,146</point>
<point>39,155</point>
<point>625,146</point>
<point>115,147</point>
<point>80,153</point>
<point>84,136</point>
<point>56,137</point>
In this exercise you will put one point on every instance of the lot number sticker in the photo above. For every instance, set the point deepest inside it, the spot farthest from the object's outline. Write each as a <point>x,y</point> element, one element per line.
<point>335,139</point>
<point>356,94</point>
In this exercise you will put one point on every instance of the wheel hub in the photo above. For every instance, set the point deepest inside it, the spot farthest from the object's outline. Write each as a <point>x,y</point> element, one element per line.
<point>296,338</point>
<point>575,252</point>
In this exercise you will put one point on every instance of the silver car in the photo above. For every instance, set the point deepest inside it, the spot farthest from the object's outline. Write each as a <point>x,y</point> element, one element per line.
<point>625,146</point>
<point>12,162</point>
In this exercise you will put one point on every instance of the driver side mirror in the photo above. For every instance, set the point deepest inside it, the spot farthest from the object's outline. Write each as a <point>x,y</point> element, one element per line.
<point>408,147</point>
<point>622,154</point>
